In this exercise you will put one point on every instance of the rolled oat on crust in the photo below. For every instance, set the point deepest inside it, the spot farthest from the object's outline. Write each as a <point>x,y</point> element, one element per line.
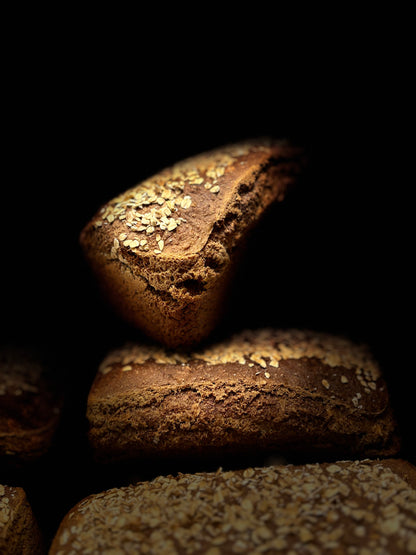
<point>164,252</point>
<point>280,391</point>
<point>350,506</point>
<point>19,530</point>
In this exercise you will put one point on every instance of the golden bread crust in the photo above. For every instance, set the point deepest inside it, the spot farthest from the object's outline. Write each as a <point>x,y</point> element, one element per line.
<point>277,390</point>
<point>19,530</point>
<point>164,251</point>
<point>340,507</point>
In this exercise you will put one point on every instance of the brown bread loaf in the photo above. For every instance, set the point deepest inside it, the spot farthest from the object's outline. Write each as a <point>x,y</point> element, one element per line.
<point>30,405</point>
<point>164,251</point>
<point>19,530</point>
<point>274,390</point>
<point>362,506</point>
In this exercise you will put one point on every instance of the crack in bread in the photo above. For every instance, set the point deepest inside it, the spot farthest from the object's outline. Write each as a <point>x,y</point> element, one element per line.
<point>268,389</point>
<point>183,231</point>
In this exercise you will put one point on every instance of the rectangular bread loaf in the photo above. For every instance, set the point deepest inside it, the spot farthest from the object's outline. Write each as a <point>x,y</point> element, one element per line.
<point>283,391</point>
<point>361,506</point>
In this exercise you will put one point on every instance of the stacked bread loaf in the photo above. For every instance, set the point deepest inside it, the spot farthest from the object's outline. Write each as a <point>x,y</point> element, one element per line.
<point>271,390</point>
<point>164,254</point>
<point>313,406</point>
<point>165,251</point>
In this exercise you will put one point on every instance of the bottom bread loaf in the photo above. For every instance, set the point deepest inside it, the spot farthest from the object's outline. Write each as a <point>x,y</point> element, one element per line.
<point>19,530</point>
<point>355,507</point>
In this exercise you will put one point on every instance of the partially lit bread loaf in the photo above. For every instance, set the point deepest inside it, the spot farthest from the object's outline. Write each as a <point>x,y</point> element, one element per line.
<point>30,405</point>
<point>359,507</point>
<point>272,390</point>
<point>19,530</point>
<point>165,250</point>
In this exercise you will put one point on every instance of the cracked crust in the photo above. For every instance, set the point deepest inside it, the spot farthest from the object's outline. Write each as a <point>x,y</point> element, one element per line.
<point>164,252</point>
<point>272,390</point>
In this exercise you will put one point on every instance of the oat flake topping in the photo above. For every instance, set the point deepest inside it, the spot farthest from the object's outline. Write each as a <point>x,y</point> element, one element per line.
<point>266,348</point>
<point>308,509</point>
<point>6,512</point>
<point>155,207</point>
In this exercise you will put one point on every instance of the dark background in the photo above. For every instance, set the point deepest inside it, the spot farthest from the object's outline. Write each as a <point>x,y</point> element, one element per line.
<point>82,127</point>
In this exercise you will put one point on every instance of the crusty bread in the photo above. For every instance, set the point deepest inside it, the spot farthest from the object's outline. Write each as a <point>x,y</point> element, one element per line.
<point>361,507</point>
<point>19,530</point>
<point>30,405</point>
<point>164,251</point>
<point>286,391</point>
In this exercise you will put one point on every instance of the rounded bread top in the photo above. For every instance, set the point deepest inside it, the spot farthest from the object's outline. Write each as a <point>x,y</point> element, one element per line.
<point>315,363</point>
<point>173,212</point>
<point>347,503</point>
<point>11,498</point>
<point>264,347</point>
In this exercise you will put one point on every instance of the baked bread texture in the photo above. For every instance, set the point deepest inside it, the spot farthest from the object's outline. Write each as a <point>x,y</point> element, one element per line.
<point>364,506</point>
<point>19,530</point>
<point>280,391</point>
<point>164,251</point>
<point>30,405</point>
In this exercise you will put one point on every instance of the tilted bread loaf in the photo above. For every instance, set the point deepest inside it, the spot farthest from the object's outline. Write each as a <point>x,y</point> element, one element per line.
<point>361,507</point>
<point>164,251</point>
<point>272,390</point>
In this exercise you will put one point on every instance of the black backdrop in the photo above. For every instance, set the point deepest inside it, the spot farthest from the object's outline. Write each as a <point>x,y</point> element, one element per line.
<point>332,257</point>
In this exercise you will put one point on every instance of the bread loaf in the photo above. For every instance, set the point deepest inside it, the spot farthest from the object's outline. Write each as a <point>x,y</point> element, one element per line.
<point>30,405</point>
<point>286,391</point>
<point>164,251</point>
<point>362,506</point>
<point>19,530</point>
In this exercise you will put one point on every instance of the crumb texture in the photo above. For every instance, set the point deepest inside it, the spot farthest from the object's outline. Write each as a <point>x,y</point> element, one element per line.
<point>164,252</point>
<point>355,507</point>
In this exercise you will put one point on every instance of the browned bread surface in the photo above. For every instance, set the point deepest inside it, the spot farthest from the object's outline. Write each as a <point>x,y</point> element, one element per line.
<point>19,530</point>
<point>362,506</point>
<point>266,389</point>
<point>30,405</point>
<point>164,251</point>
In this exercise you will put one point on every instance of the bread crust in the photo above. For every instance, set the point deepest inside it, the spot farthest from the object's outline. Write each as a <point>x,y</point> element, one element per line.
<point>164,252</point>
<point>341,507</point>
<point>282,391</point>
<point>19,530</point>
<point>30,405</point>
